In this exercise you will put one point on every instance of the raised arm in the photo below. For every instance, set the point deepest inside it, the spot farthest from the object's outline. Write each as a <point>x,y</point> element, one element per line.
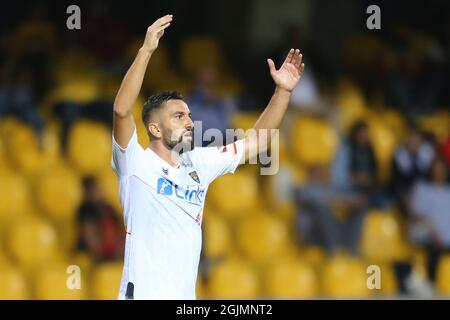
<point>124,124</point>
<point>286,79</point>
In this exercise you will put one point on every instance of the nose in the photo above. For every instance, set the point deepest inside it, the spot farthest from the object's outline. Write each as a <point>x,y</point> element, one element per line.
<point>189,125</point>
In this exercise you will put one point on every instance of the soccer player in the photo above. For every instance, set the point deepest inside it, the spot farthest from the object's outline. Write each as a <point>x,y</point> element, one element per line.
<point>163,191</point>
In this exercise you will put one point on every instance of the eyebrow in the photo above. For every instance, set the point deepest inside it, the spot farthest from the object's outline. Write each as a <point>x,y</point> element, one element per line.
<point>182,113</point>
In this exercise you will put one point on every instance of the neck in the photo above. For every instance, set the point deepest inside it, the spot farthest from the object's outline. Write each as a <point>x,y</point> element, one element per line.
<point>166,154</point>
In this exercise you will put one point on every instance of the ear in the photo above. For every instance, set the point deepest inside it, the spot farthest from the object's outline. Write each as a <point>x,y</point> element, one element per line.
<point>154,130</point>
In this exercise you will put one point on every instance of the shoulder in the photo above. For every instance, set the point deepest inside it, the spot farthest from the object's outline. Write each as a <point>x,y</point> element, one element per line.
<point>199,153</point>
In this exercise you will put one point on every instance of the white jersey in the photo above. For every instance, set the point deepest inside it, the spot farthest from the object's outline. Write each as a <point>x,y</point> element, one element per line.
<point>163,210</point>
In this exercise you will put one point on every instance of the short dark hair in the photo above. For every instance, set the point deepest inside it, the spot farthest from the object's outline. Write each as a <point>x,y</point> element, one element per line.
<point>156,101</point>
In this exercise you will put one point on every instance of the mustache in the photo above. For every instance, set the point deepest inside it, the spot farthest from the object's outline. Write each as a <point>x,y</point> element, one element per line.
<point>182,134</point>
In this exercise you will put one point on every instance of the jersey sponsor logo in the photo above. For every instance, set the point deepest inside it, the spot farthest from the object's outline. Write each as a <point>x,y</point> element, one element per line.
<point>164,187</point>
<point>165,171</point>
<point>192,195</point>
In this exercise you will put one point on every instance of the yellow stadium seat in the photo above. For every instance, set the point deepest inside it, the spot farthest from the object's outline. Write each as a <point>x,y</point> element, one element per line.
<point>352,106</point>
<point>82,259</point>
<point>13,284</point>
<point>233,279</point>
<point>389,285</point>
<point>8,126</point>
<point>198,51</point>
<point>90,146</point>
<point>200,289</point>
<point>344,277</point>
<point>3,160</point>
<point>396,123</point>
<point>438,124</point>
<point>32,242</point>
<point>142,134</point>
<point>35,32</point>
<point>443,275</point>
<point>278,190</point>
<point>290,279</point>
<point>362,50</point>
<point>15,196</point>
<point>234,194</point>
<point>4,261</point>
<point>106,281</point>
<point>229,86</point>
<point>291,250</point>
<point>314,256</point>
<point>217,236</point>
<point>384,144</point>
<point>110,188</point>
<point>75,66</point>
<point>261,236</point>
<point>381,237</point>
<point>244,120</point>
<point>419,261</point>
<point>313,141</point>
<point>67,231</point>
<point>60,282</point>
<point>28,162</point>
<point>160,64</point>
<point>79,90</point>
<point>51,145</point>
<point>59,193</point>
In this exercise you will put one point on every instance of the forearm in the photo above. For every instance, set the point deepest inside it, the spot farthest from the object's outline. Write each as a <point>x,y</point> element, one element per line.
<point>131,84</point>
<point>272,116</point>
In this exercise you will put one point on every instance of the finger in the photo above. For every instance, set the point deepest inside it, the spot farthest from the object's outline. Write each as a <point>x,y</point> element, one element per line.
<point>271,65</point>
<point>289,56</point>
<point>298,61</point>
<point>295,58</point>
<point>163,27</point>
<point>292,69</point>
<point>163,20</point>
<point>301,69</point>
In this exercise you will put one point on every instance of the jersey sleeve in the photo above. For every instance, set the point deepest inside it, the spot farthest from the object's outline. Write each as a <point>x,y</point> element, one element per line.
<point>125,160</point>
<point>214,162</point>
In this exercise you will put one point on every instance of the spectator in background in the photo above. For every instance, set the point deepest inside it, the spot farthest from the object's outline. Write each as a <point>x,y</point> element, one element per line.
<point>207,106</point>
<point>17,99</point>
<point>430,212</point>
<point>411,162</point>
<point>355,166</point>
<point>329,217</point>
<point>444,149</point>
<point>100,232</point>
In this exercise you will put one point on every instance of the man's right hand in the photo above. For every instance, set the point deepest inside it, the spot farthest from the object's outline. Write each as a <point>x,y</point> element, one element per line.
<point>155,32</point>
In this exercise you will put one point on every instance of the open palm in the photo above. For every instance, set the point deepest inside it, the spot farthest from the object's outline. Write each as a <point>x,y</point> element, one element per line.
<point>290,72</point>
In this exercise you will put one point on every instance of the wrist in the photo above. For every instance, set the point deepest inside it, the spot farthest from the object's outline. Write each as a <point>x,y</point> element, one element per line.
<point>282,91</point>
<point>144,50</point>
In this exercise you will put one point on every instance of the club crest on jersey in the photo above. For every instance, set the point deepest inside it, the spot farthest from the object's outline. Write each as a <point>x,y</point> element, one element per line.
<point>194,176</point>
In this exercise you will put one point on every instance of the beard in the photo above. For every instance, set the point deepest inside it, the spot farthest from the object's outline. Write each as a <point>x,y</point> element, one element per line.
<point>179,144</point>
